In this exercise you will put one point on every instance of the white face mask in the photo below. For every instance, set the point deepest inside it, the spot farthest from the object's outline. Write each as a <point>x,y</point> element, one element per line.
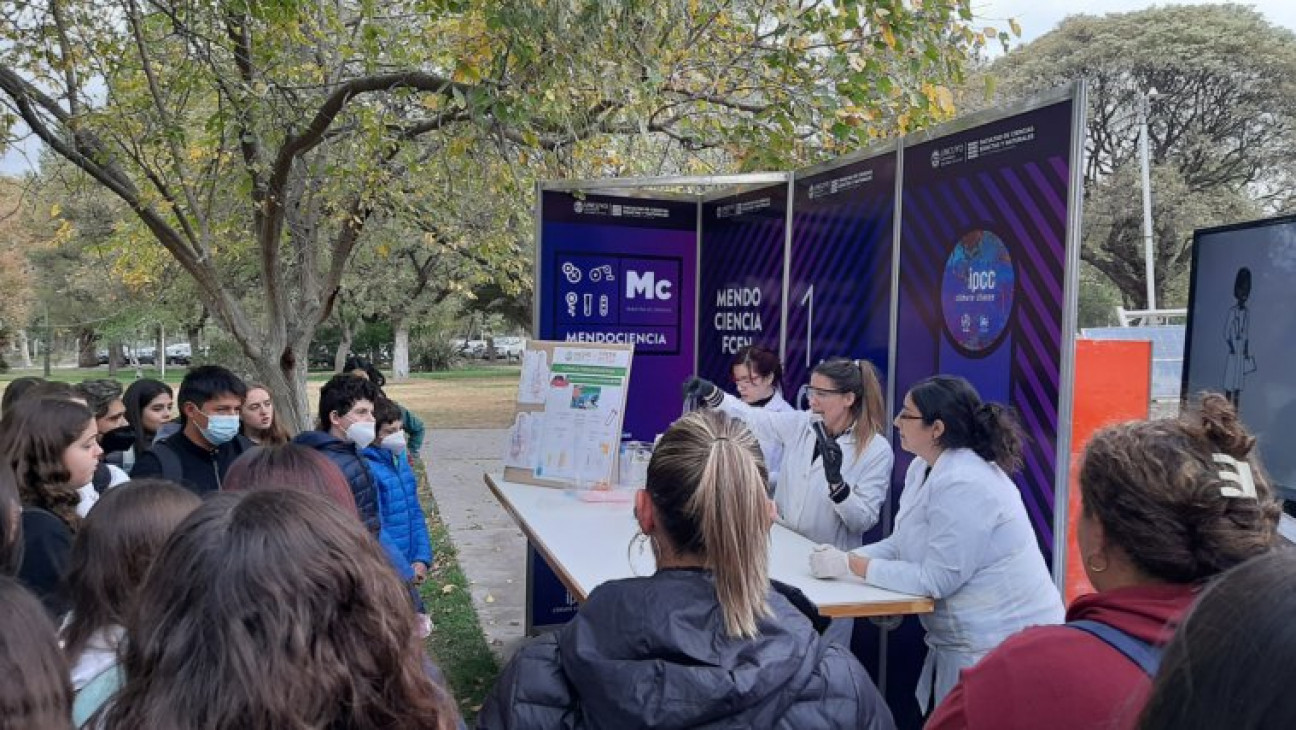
<point>395,443</point>
<point>361,433</point>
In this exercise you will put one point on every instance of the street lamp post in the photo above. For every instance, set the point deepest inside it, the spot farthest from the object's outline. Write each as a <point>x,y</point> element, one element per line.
<point>1145,102</point>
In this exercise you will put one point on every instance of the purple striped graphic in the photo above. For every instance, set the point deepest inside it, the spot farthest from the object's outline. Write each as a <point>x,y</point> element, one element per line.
<point>1020,194</point>
<point>841,246</point>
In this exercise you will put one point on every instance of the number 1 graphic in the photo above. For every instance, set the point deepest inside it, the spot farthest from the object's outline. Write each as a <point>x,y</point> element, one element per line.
<point>808,301</point>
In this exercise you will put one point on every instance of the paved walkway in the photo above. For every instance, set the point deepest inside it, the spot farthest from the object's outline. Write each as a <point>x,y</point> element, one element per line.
<point>492,550</point>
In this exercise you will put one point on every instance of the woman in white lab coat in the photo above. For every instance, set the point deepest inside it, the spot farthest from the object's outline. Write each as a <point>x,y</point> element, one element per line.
<point>831,486</point>
<point>962,535</point>
<point>830,489</point>
<point>758,377</point>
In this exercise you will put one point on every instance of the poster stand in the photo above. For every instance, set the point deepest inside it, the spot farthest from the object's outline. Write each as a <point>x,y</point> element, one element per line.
<point>569,413</point>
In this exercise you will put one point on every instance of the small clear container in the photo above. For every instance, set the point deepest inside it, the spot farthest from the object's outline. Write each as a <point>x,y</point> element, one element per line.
<point>635,456</point>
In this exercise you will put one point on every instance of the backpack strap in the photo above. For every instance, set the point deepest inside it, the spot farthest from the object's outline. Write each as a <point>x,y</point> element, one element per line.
<point>172,469</point>
<point>1146,656</point>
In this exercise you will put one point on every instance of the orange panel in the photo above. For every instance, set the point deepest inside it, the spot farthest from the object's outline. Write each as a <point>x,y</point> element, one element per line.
<point>1113,383</point>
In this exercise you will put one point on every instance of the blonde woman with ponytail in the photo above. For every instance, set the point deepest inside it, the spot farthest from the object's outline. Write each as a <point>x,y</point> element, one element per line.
<point>707,640</point>
<point>836,468</point>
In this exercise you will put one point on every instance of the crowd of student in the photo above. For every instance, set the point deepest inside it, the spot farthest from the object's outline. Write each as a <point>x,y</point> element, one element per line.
<point>212,571</point>
<point>215,573</point>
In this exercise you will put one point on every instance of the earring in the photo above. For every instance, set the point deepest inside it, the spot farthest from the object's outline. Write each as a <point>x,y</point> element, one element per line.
<point>637,544</point>
<point>1089,563</point>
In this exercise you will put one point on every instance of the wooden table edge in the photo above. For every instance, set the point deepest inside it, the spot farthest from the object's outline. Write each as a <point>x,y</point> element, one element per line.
<point>873,609</point>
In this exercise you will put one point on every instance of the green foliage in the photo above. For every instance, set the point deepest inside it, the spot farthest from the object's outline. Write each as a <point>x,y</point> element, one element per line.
<point>1221,130</point>
<point>264,147</point>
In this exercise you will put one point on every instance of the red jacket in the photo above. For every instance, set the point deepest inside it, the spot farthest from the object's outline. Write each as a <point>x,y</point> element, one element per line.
<point>1057,677</point>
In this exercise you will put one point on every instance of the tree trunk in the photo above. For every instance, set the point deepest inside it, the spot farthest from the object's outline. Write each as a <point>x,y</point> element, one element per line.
<point>114,357</point>
<point>160,356</point>
<point>86,356</point>
<point>344,346</point>
<point>24,348</point>
<point>193,335</point>
<point>400,351</point>
<point>288,389</point>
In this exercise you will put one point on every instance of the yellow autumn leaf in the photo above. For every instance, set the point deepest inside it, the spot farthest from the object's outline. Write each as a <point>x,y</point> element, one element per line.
<point>1015,27</point>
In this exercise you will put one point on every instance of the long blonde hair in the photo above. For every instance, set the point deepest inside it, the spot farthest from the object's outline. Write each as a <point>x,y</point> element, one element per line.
<point>707,481</point>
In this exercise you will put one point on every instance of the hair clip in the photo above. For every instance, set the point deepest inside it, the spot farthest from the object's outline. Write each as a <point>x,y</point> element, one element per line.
<point>718,439</point>
<point>1240,475</point>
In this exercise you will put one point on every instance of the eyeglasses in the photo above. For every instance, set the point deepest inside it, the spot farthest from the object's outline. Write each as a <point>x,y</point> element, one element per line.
<point>908,416</point>
<point>814,392</point>
<point>748,381</point>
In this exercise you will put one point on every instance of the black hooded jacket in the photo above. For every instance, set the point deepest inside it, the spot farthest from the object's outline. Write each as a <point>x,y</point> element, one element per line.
<point>653,653</point>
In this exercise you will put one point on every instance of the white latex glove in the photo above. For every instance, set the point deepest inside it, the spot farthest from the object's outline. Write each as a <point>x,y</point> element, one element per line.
<point>827,561</point>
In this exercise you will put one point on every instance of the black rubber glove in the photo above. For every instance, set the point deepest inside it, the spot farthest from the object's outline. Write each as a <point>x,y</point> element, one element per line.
<point>704,390</point>
<point>831,452</point>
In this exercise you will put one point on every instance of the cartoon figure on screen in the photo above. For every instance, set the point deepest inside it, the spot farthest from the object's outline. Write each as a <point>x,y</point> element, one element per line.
<point>1240,363</point>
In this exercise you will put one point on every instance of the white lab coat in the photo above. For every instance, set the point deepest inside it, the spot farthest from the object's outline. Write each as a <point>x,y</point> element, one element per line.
<point>963,537</point>
<point>772,448</point>
<point>802,494</point>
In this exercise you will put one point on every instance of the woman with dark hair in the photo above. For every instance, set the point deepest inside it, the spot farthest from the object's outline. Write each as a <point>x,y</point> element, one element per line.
<point>113,551</point>
<point>148,410</point>
<point>412,425</point>
<point>260,421</point>
<point>1166,506</point>
<point>273,609</point>
<point>291,466</point>
<point>1229,665</point>
<point>52,445</point>
<point>34,692</point>
<point>11,546</point>
<point>758,376</point>
<point>706,641</point>
<point>961,536</point>
<point>17,388</point>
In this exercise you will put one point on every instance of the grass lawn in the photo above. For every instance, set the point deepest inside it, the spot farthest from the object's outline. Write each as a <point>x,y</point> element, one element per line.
<point>475,396</point>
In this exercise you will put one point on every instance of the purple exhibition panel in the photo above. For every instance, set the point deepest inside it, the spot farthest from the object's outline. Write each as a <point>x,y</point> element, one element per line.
<point>622,270</point>
<point>839,291</point>
<point>983,257</point>
<point>741,270</point>
<point>618,270</point>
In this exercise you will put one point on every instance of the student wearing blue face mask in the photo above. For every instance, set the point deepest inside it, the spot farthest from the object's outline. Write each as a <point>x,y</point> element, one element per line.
<point>404,532</point>
<point>208,441</point>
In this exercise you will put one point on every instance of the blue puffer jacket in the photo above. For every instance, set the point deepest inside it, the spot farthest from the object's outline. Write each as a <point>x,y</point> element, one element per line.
<point>404,528</point>
<point>348,459</point>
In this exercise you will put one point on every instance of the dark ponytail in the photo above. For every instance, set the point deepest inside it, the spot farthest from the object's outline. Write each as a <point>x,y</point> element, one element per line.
<point>989,429</point>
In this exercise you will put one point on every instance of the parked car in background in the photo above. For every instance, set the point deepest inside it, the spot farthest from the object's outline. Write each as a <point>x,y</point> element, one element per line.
<point>510,348</point>
<point>179,353</point>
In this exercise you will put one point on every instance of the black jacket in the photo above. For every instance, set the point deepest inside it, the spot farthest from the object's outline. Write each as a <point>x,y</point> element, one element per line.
<point>348,459</point>
<point>200,470</point>
<point>47,545</point>
<point>652,652</point>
